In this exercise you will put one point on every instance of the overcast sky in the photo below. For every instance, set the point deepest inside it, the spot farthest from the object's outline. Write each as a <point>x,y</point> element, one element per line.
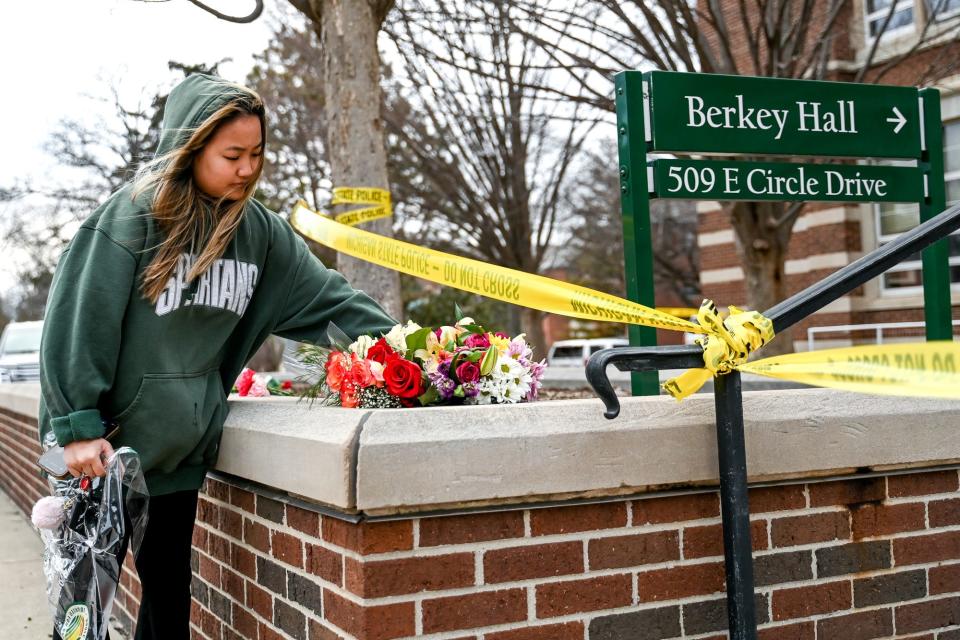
<point>56,52</point>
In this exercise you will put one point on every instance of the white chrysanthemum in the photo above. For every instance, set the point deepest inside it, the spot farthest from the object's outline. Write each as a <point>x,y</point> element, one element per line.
<point>361,346</point>
<point>508,382</point>
<point>397,337</point>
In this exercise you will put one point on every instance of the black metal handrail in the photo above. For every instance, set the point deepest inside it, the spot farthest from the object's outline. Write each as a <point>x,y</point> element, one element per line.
<point>728,399</point>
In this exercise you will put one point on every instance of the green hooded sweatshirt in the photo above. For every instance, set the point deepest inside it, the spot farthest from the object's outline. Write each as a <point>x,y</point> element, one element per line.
<point>163,371</point>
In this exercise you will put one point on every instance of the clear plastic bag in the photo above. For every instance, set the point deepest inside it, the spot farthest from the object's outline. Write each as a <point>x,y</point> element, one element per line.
<point>83,553</point>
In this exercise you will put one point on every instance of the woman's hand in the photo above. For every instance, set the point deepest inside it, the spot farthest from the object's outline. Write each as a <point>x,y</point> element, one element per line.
<point>86,457</point>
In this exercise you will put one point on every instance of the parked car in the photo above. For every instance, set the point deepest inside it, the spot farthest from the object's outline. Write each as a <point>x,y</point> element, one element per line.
<point>20,352</point>
<point>576,352</point>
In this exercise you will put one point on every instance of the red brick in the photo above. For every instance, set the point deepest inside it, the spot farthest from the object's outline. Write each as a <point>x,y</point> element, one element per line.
<point>474,610</point>
<point>921,484</point>
<point>287,548</point>
<point>574,596</point>
<point>680,582</point>
<point>207,512</point>
<point>588,517</point>
<point>243,561</point>
<point>568,631</point>
<point>944,513</point>
<point>883,519</point>
<point>929,614</point>
<point>693,506</point>
<point>926,548</point>
<point>798,631</point>
<point>325,563</point>
<point>944,579</point>
<point>233,583</point>
<point>780,498</point>
<point>707,541</point>
<point>471,528</point>
<point>317,631</point>
<point>820,527</point>
<point>256,535</point>
<point>633,550</point>
<point>862,625</point>
<point>243,499</point>
<point>372,622</point>
<point>368,537</point>
<point>218,547</point>
<point>231,523</point>
<point>210,571</point>
<point>260,601</point>
<point>844,492</point>
<point>269,633</point>
<point>218,490</point>
<point>243,622</point>
<point>304,521</point>
<point>374,579</point>
<point>210,625</point>
<point>532,561</point>
<point>200,535</point>
<point>803,602</point>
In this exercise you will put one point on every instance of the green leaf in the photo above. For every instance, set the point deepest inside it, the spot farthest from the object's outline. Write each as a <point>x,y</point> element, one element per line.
<point>458,392</point>
<point>338,338</point>
<point>458,312</point>
<point>429,396</point>
<point>417,340</point>
<point>489,361</point>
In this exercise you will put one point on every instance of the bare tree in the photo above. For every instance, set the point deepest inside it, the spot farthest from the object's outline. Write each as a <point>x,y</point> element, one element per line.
<point>494,157</point>
<point>591,40</point>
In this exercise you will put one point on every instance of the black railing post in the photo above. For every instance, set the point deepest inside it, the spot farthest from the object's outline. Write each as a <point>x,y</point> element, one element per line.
<point>735,507</point>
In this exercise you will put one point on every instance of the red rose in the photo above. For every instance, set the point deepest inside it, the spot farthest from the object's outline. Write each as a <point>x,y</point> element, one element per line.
<point>403,378</point>
<point>287,384</point>
<point>468,372</point>
<point>360,373</point>
<point>244,381</point>
<point>348,397</point>
<point>380,351</point>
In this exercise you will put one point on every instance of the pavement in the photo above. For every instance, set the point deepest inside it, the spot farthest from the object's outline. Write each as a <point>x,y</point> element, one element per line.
<point>24,613</point>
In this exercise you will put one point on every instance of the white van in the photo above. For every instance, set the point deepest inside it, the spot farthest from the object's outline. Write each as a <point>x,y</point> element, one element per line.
<point>575,353</point>
<point>20,352</point>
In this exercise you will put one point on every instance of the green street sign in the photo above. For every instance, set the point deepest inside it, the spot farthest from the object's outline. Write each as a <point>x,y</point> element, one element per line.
<point>711,113</point>
<point>783,181</point>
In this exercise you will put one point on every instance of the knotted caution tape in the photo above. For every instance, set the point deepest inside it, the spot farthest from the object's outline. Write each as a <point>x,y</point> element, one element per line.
<point>727,345</point>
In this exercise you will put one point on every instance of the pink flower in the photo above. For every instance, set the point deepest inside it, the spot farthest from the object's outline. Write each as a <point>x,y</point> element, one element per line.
<point>477,341</point>
<point>258,390</point>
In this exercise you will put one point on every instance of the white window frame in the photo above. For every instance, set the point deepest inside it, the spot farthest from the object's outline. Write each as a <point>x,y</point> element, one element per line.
<point>870,17</point>
<point>945,16</point>
<point>912,265</point>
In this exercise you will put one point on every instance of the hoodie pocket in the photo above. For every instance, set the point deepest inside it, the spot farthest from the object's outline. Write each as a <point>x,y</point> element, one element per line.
<point>170,421</point>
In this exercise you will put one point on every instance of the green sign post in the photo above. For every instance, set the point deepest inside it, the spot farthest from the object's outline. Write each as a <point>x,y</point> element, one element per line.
<point>707,114</point>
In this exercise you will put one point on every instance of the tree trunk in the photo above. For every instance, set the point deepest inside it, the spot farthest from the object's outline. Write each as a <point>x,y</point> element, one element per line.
<point>762,247</point>
<point>532,320</point>
<point>355,140</point>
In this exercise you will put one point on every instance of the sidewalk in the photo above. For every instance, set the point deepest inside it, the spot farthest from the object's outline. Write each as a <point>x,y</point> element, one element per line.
<point>24,614</point>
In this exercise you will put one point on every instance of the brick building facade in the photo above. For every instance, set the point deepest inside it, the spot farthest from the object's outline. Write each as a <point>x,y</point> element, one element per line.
<point>830,235</point>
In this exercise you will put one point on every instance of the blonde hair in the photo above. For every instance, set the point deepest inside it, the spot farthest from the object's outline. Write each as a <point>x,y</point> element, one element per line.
<point>182,210</point>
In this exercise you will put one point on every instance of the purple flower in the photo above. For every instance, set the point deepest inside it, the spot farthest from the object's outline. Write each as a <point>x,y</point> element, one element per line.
<point>471,389</point>
<point>477,341</point>
<point>536,371</point>
<point>442,382</point>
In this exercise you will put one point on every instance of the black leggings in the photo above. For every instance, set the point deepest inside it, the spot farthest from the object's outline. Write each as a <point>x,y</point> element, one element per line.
<point>164,568</point>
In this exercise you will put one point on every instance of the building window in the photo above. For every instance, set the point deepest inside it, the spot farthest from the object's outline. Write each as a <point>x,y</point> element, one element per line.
<point>895,218</point>
<point>941,9</point>
<point>876,11</point>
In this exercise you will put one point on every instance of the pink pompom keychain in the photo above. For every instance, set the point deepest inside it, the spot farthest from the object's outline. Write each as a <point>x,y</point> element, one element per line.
<point>48,512</point>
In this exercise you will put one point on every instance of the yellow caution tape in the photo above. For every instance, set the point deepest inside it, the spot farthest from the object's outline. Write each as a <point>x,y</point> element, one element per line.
<point>726,346</point>
<point>380,198</point>
<point>680,312</point>
<point>492,281</point>
<point>914,369</point>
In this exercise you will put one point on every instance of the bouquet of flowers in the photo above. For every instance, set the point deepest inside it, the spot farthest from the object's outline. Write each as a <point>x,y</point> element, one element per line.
<point>251,383</point>
<point>419,366</point>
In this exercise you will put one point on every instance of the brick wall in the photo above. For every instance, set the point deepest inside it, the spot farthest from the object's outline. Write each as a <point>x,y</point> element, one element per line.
<point>854,559</point>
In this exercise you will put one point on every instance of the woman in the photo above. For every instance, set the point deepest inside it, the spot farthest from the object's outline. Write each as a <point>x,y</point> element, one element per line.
<point>156,304</point>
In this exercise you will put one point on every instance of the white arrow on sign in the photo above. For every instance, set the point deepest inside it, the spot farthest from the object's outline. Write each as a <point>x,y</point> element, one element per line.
<point>899,120</point>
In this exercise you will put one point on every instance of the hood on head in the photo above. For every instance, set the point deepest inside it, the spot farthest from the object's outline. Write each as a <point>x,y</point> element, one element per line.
<point>190,103</point>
